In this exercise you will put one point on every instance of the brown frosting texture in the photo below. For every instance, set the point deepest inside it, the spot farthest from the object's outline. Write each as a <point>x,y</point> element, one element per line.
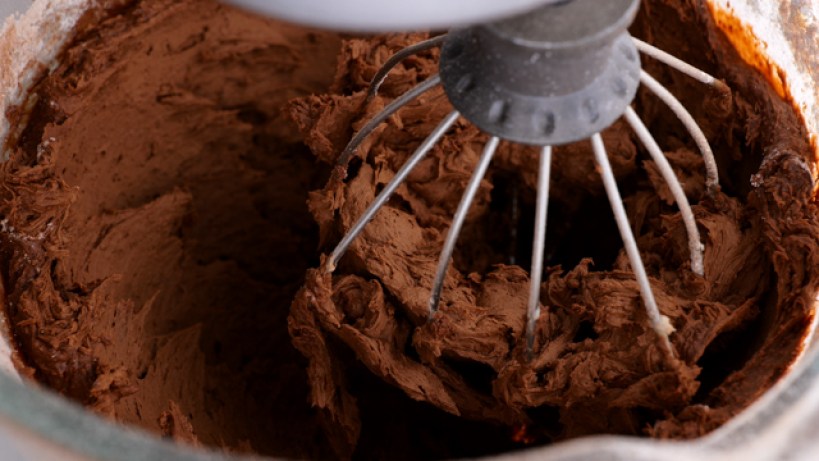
<point>170,191</point>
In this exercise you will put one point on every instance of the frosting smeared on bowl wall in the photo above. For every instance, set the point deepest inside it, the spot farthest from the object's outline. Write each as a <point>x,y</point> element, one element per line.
<point>157,232</point>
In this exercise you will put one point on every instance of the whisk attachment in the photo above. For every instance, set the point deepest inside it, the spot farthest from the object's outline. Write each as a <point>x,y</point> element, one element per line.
<point>544,78</point>
<point>678,64</point>
<point>558,75</point>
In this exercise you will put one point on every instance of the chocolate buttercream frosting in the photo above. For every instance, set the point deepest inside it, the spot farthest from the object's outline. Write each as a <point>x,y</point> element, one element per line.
<point>177,177</point>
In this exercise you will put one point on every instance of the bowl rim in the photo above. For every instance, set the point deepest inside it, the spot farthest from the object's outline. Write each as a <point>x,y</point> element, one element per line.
<point>30,45</point>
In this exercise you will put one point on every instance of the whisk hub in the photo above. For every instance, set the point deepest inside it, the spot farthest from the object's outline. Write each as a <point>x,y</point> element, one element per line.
<point>554,76</point>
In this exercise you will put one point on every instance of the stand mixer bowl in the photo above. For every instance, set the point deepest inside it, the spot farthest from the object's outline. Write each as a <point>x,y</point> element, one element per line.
<point>35,424</point>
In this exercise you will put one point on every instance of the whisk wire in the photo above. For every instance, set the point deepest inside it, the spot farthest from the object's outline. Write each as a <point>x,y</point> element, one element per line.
<point>396,59</point>
<point>678,64</point>
<point>695,245</point>
<point>538,246</point>
<point>711,172</point>
<point>382,198</point>
<point>384,114</point>
<point>659,323</point>
<point>458,221</point>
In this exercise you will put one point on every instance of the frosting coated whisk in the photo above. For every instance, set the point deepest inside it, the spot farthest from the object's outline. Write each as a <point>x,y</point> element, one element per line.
<point>554,76</point>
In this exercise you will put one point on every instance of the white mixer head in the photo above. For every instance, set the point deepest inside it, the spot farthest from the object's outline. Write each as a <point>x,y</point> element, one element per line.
<point>393,16</point>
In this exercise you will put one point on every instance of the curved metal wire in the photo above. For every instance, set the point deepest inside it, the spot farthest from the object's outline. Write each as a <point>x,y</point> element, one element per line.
<point>538,246</point>
<point>711,173</point>
<point>385,113</point>
<point>659,323</point>
<point>395,59</point>
<point>678,64</point>
<point>458,221</point>
<point>390,188</point>
<point>695,245</point>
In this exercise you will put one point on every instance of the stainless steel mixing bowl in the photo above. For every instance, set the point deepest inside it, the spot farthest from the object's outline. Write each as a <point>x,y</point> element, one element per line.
<point>35,424</point>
